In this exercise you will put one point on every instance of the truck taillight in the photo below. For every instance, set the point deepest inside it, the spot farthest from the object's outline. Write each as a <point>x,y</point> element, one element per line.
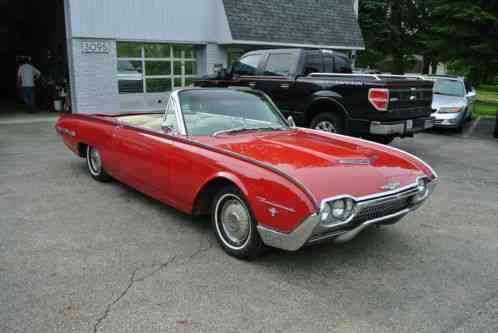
<point>379,98</point>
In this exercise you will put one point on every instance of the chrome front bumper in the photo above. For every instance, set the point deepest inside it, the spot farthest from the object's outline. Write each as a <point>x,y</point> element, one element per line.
<point>312,231</point>
<point>448,119</point>
<point>401,127</point>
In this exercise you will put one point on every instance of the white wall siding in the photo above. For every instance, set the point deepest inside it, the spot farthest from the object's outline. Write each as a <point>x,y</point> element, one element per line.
<point>150,20</point>
<point>215,55</point>
<point>95,84</point>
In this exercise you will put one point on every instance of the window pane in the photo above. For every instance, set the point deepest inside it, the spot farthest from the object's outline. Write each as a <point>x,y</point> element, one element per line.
<point>158,85</point>
<point>130,86</point>
<point>126,67</point>
<point>129,50</point>
<point>279,64</point>
<point>342,65</point>
<point>247,65</point>
<point>157,50</point>
<point>190,68</point>
<point>328,62</point>
<point>313,62</point>
<point>158,68</point>
<point>187,49</point>
<point>177,68</point>
<point>178,82</point>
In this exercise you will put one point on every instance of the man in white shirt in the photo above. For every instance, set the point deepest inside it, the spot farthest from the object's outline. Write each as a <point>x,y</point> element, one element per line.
<point>26,77</point>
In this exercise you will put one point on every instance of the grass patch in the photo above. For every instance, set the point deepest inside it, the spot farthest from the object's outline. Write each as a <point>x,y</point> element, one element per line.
<point>488,87</point>
<point>487,101</point>
<point>487,96</point>
<point>486,109</point>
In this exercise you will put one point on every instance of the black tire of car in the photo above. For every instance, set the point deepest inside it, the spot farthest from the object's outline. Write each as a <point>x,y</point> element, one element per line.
<point>459,128</point>
<point>383,139</point>
<point>253,247</point>
<point>329,117</point>
<point>96,171</point>
<point>496,126</point>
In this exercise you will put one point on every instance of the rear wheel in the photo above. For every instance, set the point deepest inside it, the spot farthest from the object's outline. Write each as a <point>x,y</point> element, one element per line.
<point>329,122</point>
<point>95,166</point>
<point>235,226</point>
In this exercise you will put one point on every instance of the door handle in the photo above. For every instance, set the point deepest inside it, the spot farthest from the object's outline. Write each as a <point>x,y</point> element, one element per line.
<point>285,86</point>
<point>252,84</point>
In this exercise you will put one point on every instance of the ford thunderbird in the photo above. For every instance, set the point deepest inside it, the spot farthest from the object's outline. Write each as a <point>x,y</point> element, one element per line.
<point>230,154</point>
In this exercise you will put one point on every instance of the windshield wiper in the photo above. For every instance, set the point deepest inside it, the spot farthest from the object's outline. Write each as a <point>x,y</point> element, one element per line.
<point>248,129</point>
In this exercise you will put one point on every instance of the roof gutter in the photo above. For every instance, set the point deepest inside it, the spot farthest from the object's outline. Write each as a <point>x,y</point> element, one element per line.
<point>335,47</point>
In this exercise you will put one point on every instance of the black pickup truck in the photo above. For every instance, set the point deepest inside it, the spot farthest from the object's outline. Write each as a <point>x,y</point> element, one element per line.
<point>317,88</point>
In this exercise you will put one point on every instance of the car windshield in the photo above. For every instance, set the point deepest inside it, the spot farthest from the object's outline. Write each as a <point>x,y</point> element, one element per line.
<point>449,88</point>
<point>225,111</point>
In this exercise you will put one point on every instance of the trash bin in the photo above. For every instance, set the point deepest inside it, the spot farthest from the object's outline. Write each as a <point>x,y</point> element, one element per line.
<point>58,105</point>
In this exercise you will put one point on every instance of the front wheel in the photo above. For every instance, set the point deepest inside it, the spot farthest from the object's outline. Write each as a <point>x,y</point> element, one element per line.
<point>235,226</point>
<point>95,166</point>
<point>329,122</point>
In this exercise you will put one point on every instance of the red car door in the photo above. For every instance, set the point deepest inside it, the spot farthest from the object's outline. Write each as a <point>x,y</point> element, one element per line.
<point>144,160</point>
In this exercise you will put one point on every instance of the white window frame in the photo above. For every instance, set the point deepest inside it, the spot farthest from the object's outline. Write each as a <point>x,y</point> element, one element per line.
<point>172,59</point>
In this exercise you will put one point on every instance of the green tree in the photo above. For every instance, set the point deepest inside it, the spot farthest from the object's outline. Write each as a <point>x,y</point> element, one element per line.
<point>461,32</point>
<point>466,32</point>
<point>390,29</point>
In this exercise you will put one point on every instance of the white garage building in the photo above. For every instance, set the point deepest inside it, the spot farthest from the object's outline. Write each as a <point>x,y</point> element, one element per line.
<point>127,54</point>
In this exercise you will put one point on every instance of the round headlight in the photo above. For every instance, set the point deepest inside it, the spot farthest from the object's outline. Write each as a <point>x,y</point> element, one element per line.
<point>422,185</point>
<point>338,209</point>
<point>423,189</point>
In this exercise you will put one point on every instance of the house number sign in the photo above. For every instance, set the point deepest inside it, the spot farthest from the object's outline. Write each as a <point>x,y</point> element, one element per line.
<point>95,46</point>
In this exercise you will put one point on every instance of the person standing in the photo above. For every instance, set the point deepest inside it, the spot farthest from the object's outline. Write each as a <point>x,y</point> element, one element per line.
<point>26,77</point>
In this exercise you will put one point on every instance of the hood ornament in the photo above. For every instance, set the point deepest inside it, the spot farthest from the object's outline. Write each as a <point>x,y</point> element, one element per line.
<point>391,186</point>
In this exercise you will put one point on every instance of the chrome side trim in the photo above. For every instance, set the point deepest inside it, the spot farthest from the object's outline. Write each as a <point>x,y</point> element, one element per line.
<point>373,76</point>
<point>270,203</point>
<point>292,241</point>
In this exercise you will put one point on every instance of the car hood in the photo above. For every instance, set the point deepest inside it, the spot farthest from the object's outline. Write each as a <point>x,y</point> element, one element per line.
<point>444,101</point>
<point>328,165</point>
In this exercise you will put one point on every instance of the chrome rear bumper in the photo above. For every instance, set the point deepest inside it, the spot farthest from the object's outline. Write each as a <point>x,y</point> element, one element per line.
<point>311,231</point>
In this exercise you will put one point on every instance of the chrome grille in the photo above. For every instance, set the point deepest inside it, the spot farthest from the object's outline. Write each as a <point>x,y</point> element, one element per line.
<point>372,212</point>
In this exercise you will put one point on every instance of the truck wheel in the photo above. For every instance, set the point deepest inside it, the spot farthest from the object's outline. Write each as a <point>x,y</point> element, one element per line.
<point>235,226</point>
<point>328,122</point>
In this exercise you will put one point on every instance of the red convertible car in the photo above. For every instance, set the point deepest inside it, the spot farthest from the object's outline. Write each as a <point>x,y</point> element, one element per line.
<point>230,153</point>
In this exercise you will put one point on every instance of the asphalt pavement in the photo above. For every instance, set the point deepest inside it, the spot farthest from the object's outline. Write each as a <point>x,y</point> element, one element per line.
<point>81,256</point>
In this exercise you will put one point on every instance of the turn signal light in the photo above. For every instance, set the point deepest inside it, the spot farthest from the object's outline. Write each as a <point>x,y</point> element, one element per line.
<point>379,98</point>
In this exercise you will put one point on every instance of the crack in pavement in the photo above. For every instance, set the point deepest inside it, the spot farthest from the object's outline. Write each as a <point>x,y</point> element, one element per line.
<point>134,279</point>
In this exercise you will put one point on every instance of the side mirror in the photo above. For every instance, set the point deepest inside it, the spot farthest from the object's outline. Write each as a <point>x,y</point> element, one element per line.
<point>291,122</point>
<point>471,94</point>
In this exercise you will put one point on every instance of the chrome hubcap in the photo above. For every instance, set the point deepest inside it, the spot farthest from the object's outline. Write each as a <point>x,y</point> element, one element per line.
<point>326,126</point>
<point>235,221</point>
<point>95,161</point>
